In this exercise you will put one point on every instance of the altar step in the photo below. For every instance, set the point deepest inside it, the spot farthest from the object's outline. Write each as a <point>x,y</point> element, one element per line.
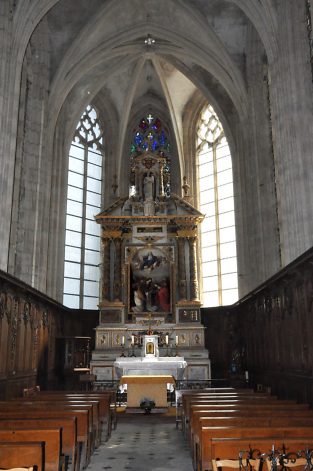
<point>138,410</point>
<point>164,411</point>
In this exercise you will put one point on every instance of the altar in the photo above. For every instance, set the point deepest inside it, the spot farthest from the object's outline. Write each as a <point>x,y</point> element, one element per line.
<point>141,388</point>
<point>149,306</point>
<point>172,366</point>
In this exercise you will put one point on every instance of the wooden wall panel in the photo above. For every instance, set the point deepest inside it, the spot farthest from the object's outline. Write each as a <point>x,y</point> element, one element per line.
<point>30,324</point>
<point>271,331</point>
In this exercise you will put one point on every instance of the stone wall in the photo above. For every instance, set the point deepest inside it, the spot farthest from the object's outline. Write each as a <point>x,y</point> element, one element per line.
<point>251,60</point>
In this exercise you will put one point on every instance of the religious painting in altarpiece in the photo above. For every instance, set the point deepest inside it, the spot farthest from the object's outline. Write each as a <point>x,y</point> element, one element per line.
<point>150,280</point>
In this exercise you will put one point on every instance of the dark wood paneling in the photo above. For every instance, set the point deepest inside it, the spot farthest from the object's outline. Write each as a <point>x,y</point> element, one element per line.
<point>30,323</point>
<point>270,330</point>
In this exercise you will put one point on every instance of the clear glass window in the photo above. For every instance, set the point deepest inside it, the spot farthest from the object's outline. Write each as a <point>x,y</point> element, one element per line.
<point>216,202</point>
<point>82,238</point>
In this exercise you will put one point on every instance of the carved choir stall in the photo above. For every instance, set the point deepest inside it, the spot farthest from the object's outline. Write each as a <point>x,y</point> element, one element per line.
<point>149,283</point>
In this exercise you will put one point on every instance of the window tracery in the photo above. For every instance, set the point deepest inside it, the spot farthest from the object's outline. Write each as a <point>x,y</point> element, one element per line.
<point>82,239</point>
<point>216,201</point>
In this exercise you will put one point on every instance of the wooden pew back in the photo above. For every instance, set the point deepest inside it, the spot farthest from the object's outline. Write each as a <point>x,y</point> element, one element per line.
<point>51,437</point>
<point>22,454</point>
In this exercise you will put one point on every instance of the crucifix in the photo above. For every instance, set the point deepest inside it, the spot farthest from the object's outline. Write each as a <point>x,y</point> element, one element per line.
<point>150,331</point>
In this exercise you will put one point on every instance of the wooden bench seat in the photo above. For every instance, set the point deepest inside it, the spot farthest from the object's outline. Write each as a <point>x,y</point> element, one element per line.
<point>51,437</point>
<point>69,433</point>
<point>82,416</point>
<point>62,404</point>
<point>266,421</point>
<point>107,405</point>
<point>249,405</point>
<point>243,412</point>
<point>22,454</point>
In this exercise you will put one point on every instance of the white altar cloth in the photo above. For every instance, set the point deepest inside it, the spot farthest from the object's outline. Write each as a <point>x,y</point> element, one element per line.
<point>173,366</point>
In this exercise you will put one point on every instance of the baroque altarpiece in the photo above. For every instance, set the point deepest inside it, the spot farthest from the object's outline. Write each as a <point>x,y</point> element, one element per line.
<point>149,273</point>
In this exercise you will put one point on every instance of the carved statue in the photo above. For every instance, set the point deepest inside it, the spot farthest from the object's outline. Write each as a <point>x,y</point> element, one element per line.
<point>148,186</point>
<point>148,207</point>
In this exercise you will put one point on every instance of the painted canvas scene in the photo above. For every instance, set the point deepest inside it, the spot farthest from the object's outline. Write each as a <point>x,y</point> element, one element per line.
<point>150,282</point>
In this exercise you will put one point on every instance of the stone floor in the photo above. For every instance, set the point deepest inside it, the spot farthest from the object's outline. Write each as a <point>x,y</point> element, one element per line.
<point>141,443</point>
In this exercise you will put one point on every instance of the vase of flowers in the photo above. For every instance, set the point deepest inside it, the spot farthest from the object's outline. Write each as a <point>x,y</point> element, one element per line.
<point>147,405</point>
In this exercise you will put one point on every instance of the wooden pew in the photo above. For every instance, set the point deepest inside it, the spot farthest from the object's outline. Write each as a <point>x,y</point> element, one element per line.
<point>229,447</point>
<point>265,421</point>
<point>107,406</point>
<point>224,399</point>
<point>192,404</point>
<point>227,393</point>
<point>69,433</point>
<point>202,457</point>
<point>81,415</point>
<point>269,412</point>
<point>219,390</point>
<point>22,454</point>
<point>247,405</point>
<point>55,406</point>
<point>53,443</point>
<point>225,464</point>
<point>61,403</point>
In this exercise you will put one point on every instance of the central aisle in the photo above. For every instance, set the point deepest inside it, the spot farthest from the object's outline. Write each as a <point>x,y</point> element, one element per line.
<point>143,442</point>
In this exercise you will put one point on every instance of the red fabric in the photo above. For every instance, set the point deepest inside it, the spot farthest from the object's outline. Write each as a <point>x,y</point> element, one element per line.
<point>164,298</point>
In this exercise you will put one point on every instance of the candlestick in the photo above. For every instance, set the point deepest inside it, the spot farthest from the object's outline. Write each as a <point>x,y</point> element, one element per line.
<point>123,350</point>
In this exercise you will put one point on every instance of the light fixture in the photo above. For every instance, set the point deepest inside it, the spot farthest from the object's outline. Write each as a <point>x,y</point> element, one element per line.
<point>149,41</point>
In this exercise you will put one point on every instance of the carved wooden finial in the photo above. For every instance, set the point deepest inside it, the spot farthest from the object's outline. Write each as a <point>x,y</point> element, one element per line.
<point>185,187</point>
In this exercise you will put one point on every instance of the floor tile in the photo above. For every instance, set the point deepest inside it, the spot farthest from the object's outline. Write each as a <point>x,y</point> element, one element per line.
<point>143,442</point>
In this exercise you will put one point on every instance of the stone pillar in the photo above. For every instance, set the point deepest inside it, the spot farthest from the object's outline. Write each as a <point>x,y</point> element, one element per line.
<point>7,123</point>
<point>290,79</point>
<point>31,204</point>
<point>194,288</point>
<point>256,206</point>
<point>105,270</point>
<point>182,284</point>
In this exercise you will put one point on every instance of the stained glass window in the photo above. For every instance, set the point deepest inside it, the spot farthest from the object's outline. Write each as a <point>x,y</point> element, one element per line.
<point>151,135</point>
<point>218,236</point>
<point>82,240</point>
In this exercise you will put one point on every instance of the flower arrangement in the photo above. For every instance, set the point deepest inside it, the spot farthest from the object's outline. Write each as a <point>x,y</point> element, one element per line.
<point>147,404</point>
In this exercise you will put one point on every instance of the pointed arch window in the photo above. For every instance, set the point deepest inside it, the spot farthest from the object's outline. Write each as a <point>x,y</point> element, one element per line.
<point>216,201</point>
<point>82,238</point>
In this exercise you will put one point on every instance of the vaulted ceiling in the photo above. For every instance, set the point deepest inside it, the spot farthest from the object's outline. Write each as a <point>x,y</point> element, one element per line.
<point>153,55</point>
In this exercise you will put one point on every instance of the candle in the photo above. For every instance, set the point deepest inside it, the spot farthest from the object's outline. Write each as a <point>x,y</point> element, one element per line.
<point>176,339</point>
<point>123,340</point>
<point>247,375</point>
<point>166,339</point>
<point>133,339</point>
